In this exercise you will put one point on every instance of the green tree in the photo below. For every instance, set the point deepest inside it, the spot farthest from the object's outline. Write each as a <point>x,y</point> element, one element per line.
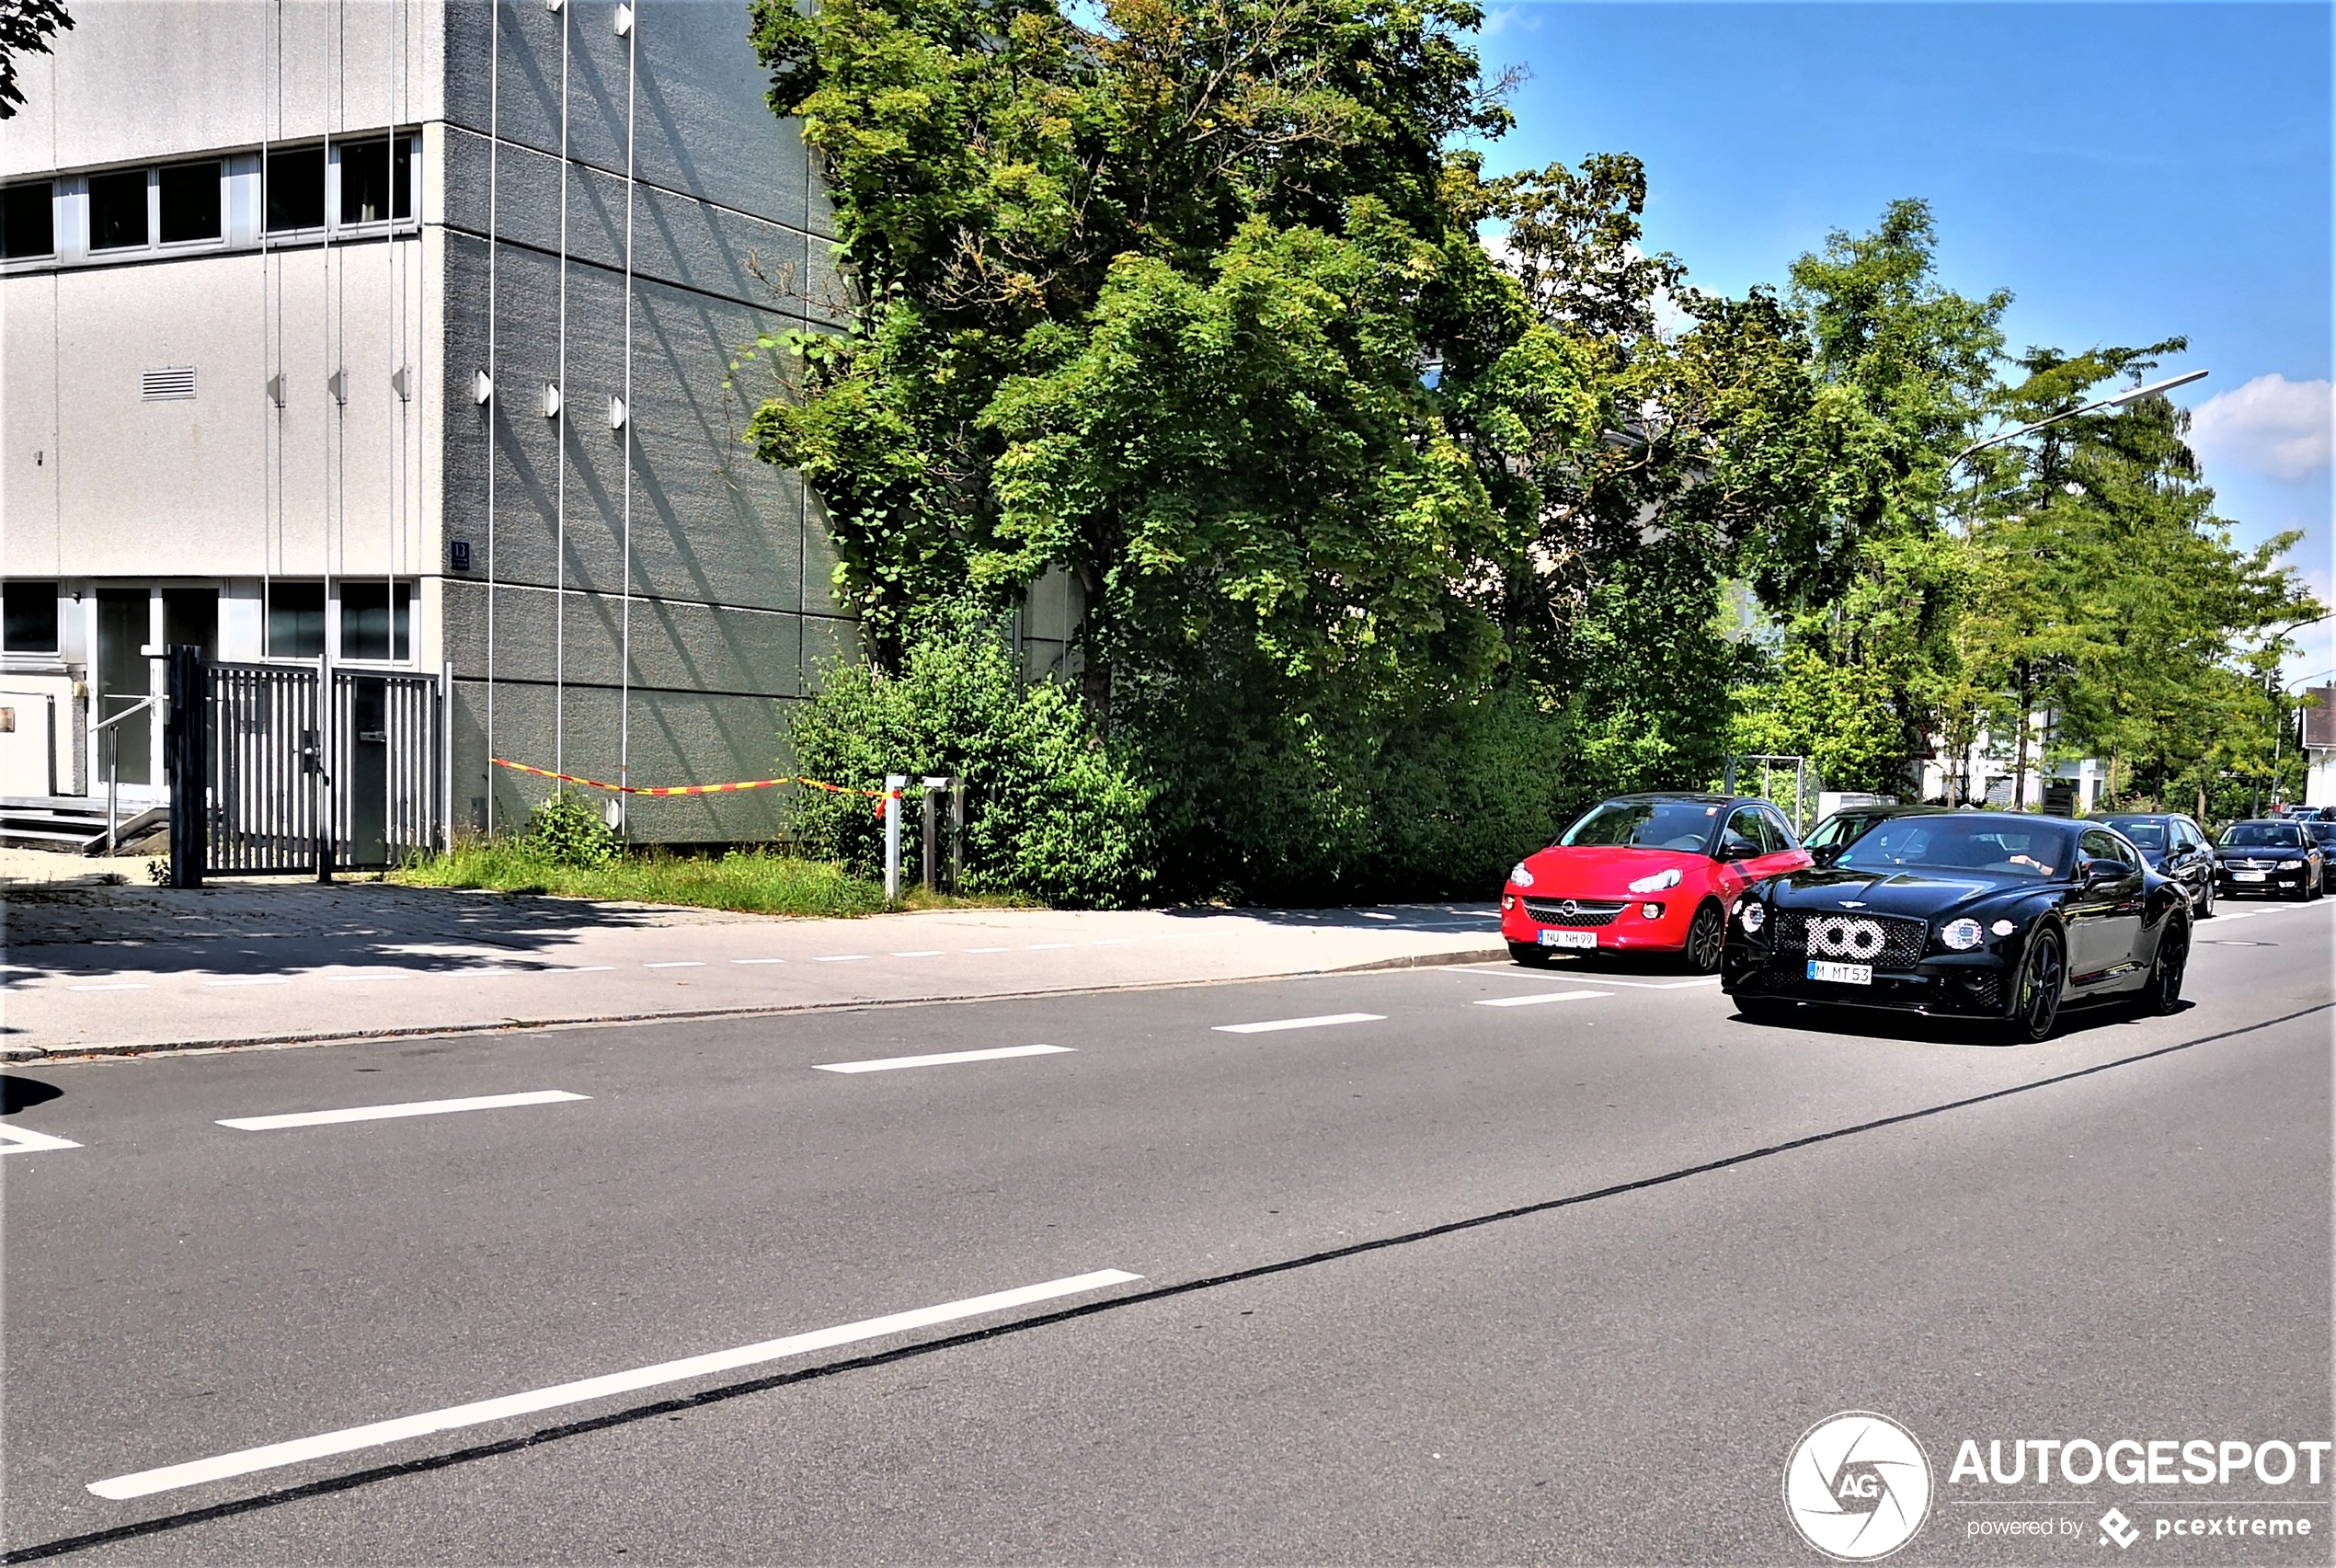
<point>26,27</point>
<point>2117,597</point>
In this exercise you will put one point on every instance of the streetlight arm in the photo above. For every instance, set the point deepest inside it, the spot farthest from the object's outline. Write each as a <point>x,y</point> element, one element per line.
<point>2117,401</point>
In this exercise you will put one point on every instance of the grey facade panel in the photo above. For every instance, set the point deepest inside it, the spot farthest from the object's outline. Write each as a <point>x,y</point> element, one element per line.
<point>695,71</point>
<point>710,521</point>
<point>677,645</point>
<point>675,738</point>
<point>675,239</point>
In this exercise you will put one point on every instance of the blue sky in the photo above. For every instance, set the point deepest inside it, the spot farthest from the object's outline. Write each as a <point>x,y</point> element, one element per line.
<point>2130,172</point>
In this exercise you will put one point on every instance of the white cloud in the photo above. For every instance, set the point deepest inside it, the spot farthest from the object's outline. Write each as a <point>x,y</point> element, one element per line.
<point>2269,426</point>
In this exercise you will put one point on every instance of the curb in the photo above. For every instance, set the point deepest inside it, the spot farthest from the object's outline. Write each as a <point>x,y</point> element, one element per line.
<point>21,1055</point>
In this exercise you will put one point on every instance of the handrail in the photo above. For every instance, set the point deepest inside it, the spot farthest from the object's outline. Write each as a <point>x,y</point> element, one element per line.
<point>113,769</point>
<point>141,706</point>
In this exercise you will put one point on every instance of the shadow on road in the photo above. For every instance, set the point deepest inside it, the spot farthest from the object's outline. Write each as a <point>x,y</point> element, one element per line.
<point>1878,1024</point>
<point>20,1093</point>
<point>286,927</point>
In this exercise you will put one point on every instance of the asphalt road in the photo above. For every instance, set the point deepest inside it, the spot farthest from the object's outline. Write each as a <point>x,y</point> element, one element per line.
<point>1559,1281</point>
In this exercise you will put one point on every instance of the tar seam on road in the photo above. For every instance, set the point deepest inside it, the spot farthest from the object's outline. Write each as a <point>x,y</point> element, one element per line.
<point>327,1487</point>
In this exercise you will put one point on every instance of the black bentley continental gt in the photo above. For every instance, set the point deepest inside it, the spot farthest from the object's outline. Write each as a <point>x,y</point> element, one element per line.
<point>1976,914</point>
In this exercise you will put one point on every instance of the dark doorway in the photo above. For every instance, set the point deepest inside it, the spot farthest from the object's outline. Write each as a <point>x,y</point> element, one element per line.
<point>125,624</point>
<point>190,616</point>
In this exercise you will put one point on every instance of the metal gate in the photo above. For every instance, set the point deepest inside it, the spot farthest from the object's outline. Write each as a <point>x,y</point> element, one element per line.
<point>302,769</point>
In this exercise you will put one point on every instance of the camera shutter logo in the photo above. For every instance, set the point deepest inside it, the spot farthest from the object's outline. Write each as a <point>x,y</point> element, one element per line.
<point>1846,936</point>
<point>1857,1486</point>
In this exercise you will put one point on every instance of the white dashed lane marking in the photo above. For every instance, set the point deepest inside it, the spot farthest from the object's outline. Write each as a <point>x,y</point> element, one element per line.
<point>1323,1022</point>
<point>23,1140</point>
<point>888,1064</point>
<point>1539,997</point>
<point>410,1108</point>
<point>274,1456</point>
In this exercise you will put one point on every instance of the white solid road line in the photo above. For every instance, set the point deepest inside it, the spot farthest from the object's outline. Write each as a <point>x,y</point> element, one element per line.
<point>274,1456</point>
<point>23,1140</point>
<point>839,959</point>
<point>989,949</point>
<point>886,1064</point>
<point>1539,997</point>
<point>758,960</point>
<point>1323,1022</point>
<point>412,1108</point>
<point>678,963</point>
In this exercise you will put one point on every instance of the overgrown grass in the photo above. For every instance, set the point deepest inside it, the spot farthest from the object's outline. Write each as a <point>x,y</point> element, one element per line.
<point>753,881</point>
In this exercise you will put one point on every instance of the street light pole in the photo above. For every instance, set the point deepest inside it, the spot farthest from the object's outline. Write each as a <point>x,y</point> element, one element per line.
<point>2117,400</point>
<point>2273,688</point>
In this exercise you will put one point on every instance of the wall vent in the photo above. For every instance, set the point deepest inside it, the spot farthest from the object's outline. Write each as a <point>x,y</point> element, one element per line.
<point>177,381</point>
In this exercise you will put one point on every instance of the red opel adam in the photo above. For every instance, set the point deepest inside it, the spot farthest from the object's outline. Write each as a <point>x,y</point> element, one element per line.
<point>1647,873</point>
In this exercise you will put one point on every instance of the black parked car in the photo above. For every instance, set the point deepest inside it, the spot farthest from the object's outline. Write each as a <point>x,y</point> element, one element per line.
<point>2269,856</point>
<point>2324,834</point>
<point>1847,826</point>
<point>1979,914</point>
<point>2174,846</point>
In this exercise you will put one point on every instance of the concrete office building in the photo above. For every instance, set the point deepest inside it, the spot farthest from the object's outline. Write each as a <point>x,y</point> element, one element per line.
<point>397,331</point>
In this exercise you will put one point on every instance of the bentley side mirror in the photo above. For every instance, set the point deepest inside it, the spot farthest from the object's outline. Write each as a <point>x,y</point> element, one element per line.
<point>2098,869</point>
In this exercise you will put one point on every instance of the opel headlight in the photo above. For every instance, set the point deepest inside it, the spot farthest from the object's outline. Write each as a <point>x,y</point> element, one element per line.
<point>1753,915</point>
<point>2290,864</point>
<point>1656,883</point>
<point>1962,936</point>
<point>1519,875</point>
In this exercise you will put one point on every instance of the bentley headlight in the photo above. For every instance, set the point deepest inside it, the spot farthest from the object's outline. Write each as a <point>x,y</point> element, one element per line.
<point>1754,915</point>
<point>1961,936</point>
<point>1519,876</point>
<point>1656,883</point>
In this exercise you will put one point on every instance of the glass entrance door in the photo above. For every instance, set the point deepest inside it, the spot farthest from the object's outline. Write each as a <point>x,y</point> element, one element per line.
<point>125,624</point>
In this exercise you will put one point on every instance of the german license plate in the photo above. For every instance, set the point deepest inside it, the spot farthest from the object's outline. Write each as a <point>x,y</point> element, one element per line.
<point>1841,974</point>
<point>2250,875</point>
<point>1569,939</point>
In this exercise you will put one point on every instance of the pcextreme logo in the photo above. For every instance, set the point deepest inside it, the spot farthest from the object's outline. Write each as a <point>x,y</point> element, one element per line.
<point>1857,1486</point>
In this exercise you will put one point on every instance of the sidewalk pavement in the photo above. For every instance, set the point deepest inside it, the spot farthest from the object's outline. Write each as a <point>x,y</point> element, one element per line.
<point>123,969</point>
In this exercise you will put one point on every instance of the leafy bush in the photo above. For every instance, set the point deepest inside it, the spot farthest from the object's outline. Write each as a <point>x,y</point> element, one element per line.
<point>564,831</point>
<point>1052,812</point>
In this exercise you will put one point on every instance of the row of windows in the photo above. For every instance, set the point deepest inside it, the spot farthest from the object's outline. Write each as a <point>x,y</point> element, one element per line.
<point>361,182</point>
<point>375,622</point>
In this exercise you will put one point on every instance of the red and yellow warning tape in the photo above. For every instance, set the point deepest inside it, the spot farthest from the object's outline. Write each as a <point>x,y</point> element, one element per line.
<point>686,789</point>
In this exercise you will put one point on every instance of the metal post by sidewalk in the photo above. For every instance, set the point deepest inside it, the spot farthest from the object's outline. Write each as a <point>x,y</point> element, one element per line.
<point>957,834</point>
<point>934,787</point>
<point>185,747</point>
<point>895,786</point>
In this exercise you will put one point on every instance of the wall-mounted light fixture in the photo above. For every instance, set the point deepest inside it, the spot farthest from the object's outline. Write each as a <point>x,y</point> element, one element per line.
<point>337,384</point>
<point>551,400</point>
<point>624,21</point>
<point>554,6</point>
<point>401,381</point>
<point>482,387</point>
<point>276,389</point>
<point>616,413</point>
